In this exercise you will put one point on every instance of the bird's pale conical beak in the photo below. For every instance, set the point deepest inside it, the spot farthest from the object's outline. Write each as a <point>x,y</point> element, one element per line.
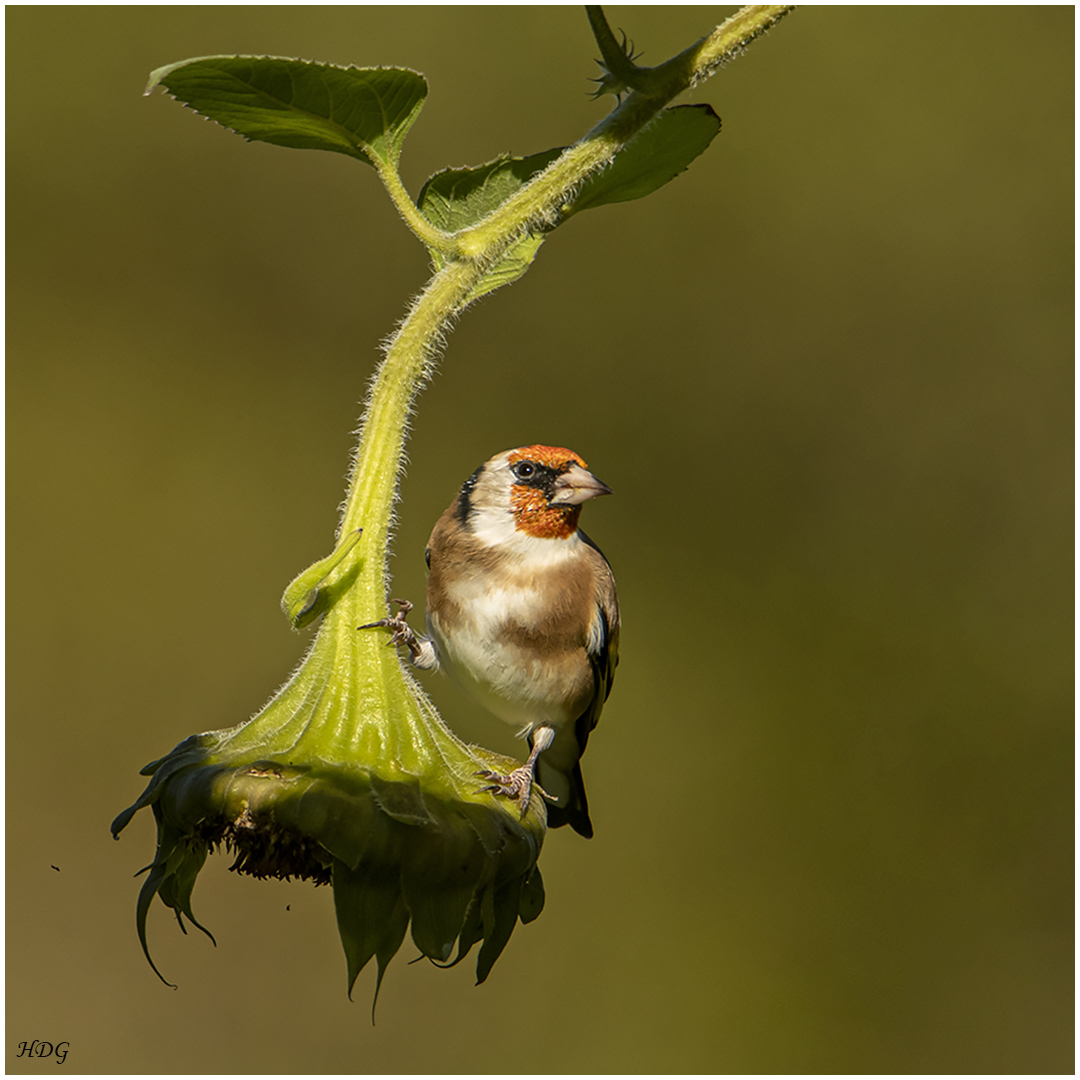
<point>576,485</point>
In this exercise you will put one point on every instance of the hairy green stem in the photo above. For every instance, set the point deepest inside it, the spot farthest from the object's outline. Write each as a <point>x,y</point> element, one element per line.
<point>348,774</point>
<point>539,201</point>
<point>729,39</point>
<point>622,73</point>
<point>377,464</point>
<point>374,477</point>
<point>410,213</point>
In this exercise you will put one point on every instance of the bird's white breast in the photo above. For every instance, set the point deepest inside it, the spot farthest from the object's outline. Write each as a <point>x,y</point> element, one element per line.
<point>516,685</point>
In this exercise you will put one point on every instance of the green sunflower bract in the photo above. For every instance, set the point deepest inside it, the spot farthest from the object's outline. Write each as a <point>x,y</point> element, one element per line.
<point>348,777</point>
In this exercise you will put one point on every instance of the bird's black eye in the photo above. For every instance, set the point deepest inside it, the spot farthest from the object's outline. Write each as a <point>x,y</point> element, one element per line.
<point>524,470</point>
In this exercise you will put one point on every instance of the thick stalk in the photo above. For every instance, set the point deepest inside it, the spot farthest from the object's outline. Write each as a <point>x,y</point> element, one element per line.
<point>539,202</point>
<point>374,476</point>
<point>410,213</point>
<point>347,774</point>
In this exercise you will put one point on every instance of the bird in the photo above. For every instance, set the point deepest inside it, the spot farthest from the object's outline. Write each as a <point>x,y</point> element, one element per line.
<point>522,612</point>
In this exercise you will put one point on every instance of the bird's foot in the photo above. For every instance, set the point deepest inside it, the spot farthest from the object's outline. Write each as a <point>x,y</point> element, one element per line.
<point>401,633</point>
<point>517,785</point>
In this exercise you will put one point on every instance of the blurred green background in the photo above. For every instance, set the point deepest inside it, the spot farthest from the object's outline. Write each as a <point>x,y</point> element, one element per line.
<point>827,372</point>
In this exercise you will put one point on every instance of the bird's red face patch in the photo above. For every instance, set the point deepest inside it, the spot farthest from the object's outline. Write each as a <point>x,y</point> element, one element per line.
<point>554,457</point>
<point>529,503</point>
<point>534,517</point>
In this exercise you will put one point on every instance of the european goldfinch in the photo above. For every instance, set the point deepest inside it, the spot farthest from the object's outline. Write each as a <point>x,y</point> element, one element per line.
<point>522,613</point>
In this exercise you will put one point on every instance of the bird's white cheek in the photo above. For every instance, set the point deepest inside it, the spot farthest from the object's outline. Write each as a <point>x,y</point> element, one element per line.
<point>499,530</point>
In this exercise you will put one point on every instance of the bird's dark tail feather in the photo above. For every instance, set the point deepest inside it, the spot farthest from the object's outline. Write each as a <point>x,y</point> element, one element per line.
<point>576,812</point>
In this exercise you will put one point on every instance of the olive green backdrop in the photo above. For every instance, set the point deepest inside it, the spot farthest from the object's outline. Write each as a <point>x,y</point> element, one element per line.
<point>828,374</point>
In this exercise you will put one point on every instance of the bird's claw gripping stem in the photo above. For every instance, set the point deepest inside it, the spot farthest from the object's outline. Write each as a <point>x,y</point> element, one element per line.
<point>517,785</point>
<point>421,650</point>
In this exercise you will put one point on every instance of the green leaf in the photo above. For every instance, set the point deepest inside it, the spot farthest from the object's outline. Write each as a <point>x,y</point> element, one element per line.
<point>362,112</point>
<point>301,602</point>
<point>509,268</point>
<point>371,915</point>
<point>655,156</point>
<point>532,897</point>
<point>454,199</point>
<point>457,199</point>
<point>499,908</point>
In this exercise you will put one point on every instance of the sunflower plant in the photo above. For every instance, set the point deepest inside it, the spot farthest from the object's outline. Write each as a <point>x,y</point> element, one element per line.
<point>348,776</point>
